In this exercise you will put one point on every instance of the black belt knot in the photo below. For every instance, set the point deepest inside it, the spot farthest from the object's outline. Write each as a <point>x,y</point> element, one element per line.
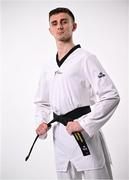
<point>71,116</point>
<point>64,119</point>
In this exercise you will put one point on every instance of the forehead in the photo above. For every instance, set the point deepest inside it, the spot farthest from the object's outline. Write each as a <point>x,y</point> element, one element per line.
<point>59,16</point>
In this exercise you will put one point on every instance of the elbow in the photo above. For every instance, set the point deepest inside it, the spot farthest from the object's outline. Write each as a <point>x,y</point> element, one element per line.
<point>117,99</point>
<point>113,100</point>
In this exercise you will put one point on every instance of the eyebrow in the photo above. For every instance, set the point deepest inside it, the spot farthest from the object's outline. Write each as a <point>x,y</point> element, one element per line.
<point>64,19</point>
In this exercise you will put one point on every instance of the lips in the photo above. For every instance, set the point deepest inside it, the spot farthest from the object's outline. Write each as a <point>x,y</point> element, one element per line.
<point>59,33</point>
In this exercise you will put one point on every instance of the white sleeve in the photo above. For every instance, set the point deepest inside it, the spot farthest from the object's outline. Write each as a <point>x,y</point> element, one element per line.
<point>106,93</point>
<point>43,109</point>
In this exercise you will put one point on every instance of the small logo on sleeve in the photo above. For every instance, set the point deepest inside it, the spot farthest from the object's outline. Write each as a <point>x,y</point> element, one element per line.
<point>101,75</point>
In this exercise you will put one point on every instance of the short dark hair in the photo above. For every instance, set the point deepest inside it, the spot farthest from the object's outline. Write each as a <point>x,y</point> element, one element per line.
<point>61,10</point>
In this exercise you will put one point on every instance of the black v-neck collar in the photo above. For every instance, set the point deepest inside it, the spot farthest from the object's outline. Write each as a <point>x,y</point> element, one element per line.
<point>60,62</point>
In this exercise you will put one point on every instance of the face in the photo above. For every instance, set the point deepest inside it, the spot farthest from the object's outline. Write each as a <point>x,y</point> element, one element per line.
<point>62,26</point>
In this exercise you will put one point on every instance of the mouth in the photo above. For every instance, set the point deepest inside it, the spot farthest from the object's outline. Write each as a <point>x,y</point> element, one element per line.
<point>59,33</point>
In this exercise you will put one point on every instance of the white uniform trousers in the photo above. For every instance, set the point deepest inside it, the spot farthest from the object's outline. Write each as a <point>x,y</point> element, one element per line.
<point>73,174</point>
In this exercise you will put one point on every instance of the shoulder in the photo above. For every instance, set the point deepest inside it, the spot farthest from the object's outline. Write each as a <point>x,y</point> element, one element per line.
<point>86,57</point>
<point>84,54</point>
<point>89,60</point>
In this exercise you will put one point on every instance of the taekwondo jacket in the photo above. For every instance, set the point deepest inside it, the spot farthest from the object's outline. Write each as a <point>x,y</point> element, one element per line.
<point>79,81</point>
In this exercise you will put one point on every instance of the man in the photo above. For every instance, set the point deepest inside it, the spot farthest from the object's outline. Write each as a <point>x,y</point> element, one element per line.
<point>77,81</point>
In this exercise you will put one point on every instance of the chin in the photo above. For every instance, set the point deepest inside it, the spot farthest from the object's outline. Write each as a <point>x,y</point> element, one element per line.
<point>64,39</point>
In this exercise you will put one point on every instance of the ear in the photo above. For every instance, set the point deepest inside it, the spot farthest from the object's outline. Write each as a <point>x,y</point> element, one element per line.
<point>74,26</point>
<point>50,30</point>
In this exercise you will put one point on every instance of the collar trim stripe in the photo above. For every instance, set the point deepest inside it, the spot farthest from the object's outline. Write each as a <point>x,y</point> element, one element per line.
<point>60,62</point>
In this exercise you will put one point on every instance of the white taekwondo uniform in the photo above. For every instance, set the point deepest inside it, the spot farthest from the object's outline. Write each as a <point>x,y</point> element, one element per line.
<point>79,81</point>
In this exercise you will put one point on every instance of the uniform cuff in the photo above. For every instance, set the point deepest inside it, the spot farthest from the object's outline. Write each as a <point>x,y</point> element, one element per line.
<point>83,123</point>
<point>44,136</point>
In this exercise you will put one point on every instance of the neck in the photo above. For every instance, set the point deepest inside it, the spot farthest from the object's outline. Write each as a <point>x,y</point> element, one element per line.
<point>63,48</point>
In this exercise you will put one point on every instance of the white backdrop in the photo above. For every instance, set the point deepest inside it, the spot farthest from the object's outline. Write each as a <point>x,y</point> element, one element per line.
<point>27,47</point>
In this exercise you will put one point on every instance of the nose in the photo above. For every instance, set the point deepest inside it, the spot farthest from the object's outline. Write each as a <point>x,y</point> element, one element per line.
<point>59,26</point>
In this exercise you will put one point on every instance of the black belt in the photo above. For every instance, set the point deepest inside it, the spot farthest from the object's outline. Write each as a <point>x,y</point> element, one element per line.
<point>64,119</point>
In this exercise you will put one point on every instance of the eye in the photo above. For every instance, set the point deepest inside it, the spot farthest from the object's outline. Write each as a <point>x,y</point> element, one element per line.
<point>64,22</point>
<point>54,23</point>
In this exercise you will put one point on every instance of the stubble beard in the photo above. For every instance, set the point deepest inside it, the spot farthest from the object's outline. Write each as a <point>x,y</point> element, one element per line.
<point>65,39</point>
